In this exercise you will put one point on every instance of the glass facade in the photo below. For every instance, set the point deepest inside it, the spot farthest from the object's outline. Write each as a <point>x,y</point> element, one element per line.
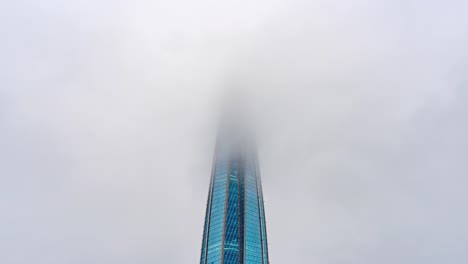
<point>235,229</point>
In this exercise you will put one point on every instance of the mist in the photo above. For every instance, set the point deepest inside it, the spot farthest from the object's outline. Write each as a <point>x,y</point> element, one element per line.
<point>108,117</point>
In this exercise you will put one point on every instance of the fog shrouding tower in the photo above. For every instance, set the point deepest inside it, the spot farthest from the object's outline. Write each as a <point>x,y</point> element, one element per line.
<point>235,231</point>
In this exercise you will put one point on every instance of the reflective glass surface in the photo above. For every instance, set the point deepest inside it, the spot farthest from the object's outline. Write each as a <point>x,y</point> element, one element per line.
<point>253,245</point>
<point>263,224</point>
<point>231,236</point>
<point>216,218</point>
<point>235,229</point>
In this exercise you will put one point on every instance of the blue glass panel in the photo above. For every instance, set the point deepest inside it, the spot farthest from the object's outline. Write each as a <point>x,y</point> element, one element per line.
<point>231,241</point>
<point>217,212</point>
<point>235,230</point>
<point>207,218</point>
<point>253,246</point>
<point>262,222</point>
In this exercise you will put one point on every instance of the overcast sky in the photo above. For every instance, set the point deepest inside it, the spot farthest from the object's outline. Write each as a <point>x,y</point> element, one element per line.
<point>108,119</point>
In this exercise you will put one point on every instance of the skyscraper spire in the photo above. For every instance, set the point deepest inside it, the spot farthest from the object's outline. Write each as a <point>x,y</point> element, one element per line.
<point>235,227</point>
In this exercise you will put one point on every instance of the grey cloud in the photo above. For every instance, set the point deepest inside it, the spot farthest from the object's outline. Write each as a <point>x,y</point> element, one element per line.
<point>107,122</point>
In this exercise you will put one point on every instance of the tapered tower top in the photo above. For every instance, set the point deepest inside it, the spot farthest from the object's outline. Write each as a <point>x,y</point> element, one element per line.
<point>235,226</point>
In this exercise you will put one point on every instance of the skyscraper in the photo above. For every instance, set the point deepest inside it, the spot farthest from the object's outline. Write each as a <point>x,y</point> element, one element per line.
<point>234,230</point>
